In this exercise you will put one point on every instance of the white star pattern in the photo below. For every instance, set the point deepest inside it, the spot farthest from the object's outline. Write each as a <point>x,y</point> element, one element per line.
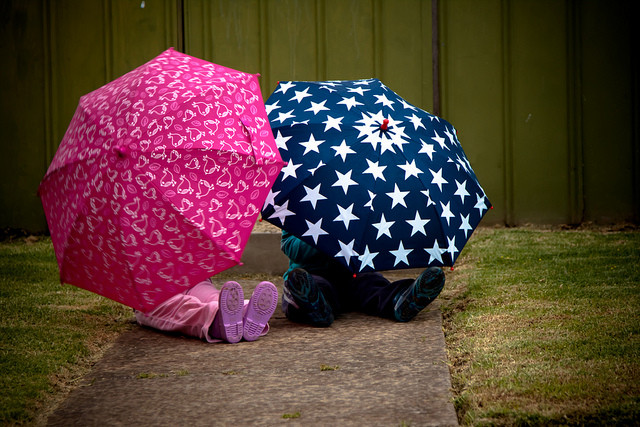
<point>346,251</point>
<point>375,170</point>
<point>446,212</point>
<point>462,190</point>
<point>290,170</point>
<point>345,216</point>
<point>313,195</point>
<point>418,224</point>
<point>300,95</point>
<point>438,179</point>
<point>397,197</point>
<point>344,181</point>
<point>401,254</point>
<point>332,123</point>
<point>435,253</point>
<point>281,141</point>
<point>366,259</point>
<point>383,227</point>
<point>343,149</point>
<point>315,230</point>
<point>311,145</point>
<point>410,169</point>
<point>355,141</point>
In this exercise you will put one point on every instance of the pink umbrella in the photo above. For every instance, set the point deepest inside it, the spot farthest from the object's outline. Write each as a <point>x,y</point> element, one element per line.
<point>159,179</point>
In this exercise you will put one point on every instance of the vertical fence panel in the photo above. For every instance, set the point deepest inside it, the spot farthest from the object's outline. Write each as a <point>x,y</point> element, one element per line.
<point>22,112</point>
<point>539,111</point>
<point>226,32</point>
<point>472,90</point>
<point>349,35</point>
<point>607,105</point>
<point>404,42</point>
<point>139,31</point>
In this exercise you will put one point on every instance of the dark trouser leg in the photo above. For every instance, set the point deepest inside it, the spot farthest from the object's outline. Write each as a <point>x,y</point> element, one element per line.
<point>373,294</point>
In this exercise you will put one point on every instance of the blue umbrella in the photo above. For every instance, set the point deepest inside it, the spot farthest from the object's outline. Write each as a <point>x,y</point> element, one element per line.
<point>371,179</point>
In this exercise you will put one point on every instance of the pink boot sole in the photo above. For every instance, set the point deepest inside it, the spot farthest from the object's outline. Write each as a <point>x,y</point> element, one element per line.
<point>230,308</point>
<point>261,307</point>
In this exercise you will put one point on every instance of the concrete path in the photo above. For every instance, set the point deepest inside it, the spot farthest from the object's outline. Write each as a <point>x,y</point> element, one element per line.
<point>362,371</point>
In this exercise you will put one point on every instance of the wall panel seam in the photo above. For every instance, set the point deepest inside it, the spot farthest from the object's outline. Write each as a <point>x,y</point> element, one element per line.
<point>505,18</point>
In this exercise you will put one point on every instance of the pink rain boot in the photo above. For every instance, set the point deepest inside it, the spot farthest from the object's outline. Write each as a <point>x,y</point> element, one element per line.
<point>261,307</point>
<point>227,325</point>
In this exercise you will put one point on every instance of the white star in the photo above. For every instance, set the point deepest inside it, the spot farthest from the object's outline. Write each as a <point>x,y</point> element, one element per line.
<point>427,148</point>
<point>450,136</point>
<point>406,105</point>
<point>397,197</point>
<point>284,116</point>
<point>358,90</point>
<point>429,201</point>
<point>346,251</point>
<point>375,170</point>
<point>401,254</point>
<point>284,87</point>
<point>332,123</point>
<point>311,145</point>
<point>350,102</point>
<point>316,107</point>
<point>313,195</point>
<point>270,200</point>
<point>366,259</point>
<point>410,169</point>
<point>382,99</point>
<point>344,181</point>
<point>480,204</point>
<point>372,196</point>
<point>312,171</point>
<point>301,94</point>
<point>452,248</point>
<point>383,227</point>
<point>446,212</point>
<point>281,212</point>
<point>439,140</point>
<point>435,253</point>
<point>281,141</point>
<point>417,224</point>
<point>416,121</point>
<point>346,216</point>
<point>290,170</point>
<point>271,107</point>
<point>314,230</point>
<point>465,226</point>
<point>438,179</point>
<point>462,190</point>
<point>343,149</point>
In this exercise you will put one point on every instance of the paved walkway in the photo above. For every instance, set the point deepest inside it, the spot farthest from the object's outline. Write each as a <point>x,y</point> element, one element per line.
<point>362,371</point>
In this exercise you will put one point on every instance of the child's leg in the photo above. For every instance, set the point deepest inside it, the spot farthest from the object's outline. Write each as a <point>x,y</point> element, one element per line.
<point>373,294</point>
<point>205,292</point>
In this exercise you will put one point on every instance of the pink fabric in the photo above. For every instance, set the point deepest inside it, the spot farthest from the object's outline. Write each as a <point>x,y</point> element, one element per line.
<point>190,313</point>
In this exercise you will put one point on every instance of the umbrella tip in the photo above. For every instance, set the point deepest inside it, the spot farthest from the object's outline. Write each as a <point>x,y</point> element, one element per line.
<point>452,268</point>
<point>385,124</point>
<point>354,275</point>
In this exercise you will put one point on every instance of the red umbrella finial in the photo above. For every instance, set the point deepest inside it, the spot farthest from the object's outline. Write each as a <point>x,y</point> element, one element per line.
<point>385,124</point>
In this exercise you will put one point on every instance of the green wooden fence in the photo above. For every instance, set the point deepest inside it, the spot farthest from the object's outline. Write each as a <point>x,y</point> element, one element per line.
<point>543,93</point>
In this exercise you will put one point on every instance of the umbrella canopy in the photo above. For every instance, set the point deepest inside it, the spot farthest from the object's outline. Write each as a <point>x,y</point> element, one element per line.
<point>370,179</point>
<point>159,179</point>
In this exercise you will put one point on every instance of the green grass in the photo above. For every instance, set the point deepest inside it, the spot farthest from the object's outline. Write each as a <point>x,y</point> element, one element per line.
<point>49,333</point>
<point>542,327</point>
